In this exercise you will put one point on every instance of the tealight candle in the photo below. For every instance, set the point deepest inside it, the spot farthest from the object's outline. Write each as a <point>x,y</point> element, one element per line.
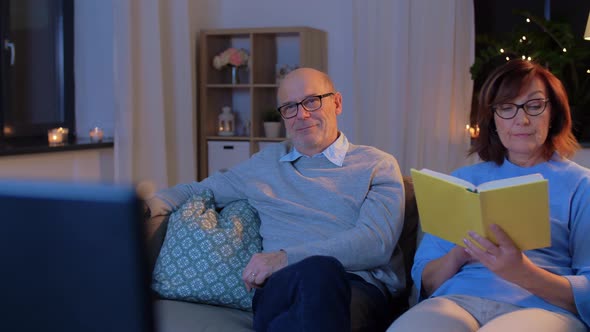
<point>96,134</point>
<point>57,136</point>
<point>472,131</point>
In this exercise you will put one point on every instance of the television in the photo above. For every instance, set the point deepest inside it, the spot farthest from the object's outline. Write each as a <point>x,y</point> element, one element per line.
<point>72,258</point>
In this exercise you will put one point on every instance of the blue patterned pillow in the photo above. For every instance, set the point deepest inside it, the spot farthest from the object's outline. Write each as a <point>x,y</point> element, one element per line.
<point>204,253</point>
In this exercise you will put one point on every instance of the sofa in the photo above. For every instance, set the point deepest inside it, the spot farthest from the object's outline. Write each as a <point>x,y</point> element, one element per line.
<point>178,316</point>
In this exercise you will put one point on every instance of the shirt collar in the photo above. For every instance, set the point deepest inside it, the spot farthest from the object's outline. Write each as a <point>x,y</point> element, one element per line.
<point>335,153</point>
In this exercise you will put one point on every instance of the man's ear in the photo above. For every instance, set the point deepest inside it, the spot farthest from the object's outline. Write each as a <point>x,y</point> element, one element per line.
<point>338,103</point>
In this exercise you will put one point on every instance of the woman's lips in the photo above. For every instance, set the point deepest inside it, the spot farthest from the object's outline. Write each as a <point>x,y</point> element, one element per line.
<point>522,135</point>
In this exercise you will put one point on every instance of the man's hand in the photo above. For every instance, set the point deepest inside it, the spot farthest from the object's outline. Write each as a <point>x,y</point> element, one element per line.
<point>157,207</point>
<point>261,267</point>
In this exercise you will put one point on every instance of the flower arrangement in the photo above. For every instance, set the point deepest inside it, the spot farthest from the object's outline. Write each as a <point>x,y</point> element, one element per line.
<point>232,57</point>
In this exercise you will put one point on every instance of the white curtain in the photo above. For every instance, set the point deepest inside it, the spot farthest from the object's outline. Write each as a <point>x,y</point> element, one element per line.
<point>154,84</point>
<point>413,90</point>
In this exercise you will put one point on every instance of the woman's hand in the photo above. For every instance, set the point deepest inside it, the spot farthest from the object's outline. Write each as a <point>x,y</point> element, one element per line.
<point>511,264</point>
<point>441,269</point>
<point>504,259</point>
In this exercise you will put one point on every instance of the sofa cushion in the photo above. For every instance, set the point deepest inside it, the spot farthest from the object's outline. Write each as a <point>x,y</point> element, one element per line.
<point>204,253</point>
<point>177,316</point>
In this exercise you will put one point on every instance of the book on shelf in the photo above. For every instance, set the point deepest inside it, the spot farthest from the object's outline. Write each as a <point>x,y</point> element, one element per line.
<point>449,207</point>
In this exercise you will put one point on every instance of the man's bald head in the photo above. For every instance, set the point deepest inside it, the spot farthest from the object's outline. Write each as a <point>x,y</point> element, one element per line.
<point>305,75</point>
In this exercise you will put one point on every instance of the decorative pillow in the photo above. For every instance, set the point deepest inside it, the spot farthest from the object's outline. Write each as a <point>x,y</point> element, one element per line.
<point>204,253</point>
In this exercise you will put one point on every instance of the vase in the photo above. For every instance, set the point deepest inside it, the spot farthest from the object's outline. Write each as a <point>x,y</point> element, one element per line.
<point>234,75</point>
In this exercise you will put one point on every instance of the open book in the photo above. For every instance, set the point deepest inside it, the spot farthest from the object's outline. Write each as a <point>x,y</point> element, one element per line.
<point>449,207</point>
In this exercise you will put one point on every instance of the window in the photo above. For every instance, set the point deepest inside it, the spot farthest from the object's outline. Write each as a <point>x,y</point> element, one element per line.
<point>36,67</point>
<point>502,20</point>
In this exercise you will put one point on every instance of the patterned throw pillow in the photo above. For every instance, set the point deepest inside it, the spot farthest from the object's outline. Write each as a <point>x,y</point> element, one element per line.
<point>204,253</point>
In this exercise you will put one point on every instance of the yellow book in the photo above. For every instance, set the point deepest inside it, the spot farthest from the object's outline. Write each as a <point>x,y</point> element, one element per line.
<point>449,207</point>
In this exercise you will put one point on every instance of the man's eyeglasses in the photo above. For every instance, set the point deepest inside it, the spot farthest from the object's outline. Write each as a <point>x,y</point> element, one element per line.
<point>310,104</point>
<point>532,107</point>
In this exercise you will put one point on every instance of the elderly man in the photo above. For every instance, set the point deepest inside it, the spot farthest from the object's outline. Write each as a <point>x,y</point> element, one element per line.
<point>331,214</point>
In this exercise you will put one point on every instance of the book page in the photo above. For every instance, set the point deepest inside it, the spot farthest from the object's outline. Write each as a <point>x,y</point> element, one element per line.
<point>449,178</point>
<point>509,182</point>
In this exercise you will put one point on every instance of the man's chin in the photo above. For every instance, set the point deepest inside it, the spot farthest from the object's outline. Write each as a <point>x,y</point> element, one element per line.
<point>304,144</point>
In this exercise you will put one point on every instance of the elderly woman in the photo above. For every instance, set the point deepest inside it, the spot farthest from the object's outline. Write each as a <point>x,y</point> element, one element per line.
<point>525,126</point>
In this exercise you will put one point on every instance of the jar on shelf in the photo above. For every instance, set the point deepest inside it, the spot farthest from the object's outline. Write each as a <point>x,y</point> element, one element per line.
<point>226,122</point>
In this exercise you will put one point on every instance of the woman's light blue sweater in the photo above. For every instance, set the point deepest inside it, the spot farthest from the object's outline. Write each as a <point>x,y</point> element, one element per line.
<point>569,254</point>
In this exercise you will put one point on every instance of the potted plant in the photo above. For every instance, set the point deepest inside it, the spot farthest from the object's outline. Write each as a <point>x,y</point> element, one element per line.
<point>272,123</point>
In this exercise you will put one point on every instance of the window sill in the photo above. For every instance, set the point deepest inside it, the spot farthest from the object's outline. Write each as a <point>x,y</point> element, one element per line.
<point>34,146</point>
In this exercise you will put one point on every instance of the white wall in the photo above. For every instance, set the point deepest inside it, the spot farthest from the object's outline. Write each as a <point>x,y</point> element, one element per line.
<point>83,165</point>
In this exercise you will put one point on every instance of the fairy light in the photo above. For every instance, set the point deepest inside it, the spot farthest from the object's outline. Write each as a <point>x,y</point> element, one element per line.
<point>588,71</point>
<point>564,50</point>
<point>523,57</point>
<point>529,58</point>
<point>523,37</point>
<point>501,50</point>
<point>528,20</point>
<point>508,59</point>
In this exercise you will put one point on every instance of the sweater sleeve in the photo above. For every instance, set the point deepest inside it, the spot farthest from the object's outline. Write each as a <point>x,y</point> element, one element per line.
<point>226,187</point>
<point>580,249</point>
<point>372,241</point>
<point>431,247</point>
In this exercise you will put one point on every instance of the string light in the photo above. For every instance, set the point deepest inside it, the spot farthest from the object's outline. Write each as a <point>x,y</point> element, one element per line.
<point>523,37</point>
<point>501,50</point>
<point>564,50</point>
<point>523,57</point>
<point>588,71</point>
<point>528,20</point>
<point>508,59</point>
<point>529,58</point>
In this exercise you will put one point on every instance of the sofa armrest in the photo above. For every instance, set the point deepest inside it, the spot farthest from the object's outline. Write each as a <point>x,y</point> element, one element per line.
<point>409,237</point>
<point>155,228</point>
<point>408,240</point>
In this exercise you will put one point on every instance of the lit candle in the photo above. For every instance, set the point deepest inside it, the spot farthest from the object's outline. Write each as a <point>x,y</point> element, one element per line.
<point>472,131</point>
<point>96,134</point>
<point>55,136</point>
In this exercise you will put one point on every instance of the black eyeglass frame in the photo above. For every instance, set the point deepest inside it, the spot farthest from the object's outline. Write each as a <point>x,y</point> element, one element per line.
<point>519,106</point>
<point>301,103</point>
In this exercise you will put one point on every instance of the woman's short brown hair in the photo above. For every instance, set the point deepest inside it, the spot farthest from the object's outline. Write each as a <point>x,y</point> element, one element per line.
<point>504,84</point>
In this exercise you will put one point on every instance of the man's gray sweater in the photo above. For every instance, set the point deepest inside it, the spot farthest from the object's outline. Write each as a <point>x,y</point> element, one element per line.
<point>311,206</point>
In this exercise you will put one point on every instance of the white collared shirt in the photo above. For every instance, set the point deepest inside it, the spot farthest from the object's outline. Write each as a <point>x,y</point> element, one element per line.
<point>335,153</point>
